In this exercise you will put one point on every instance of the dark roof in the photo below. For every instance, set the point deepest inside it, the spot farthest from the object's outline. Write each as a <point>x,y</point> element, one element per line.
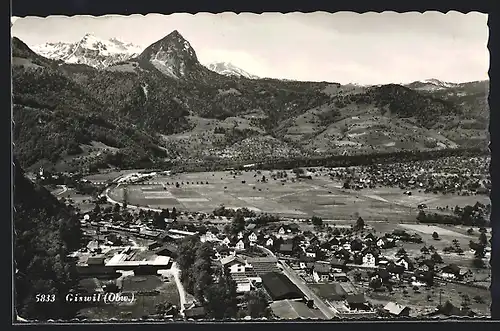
<point>356,298</point>
<point>331,292</point>
<point>383,273</point>
<point>194,312</point>
<point>305,258</point>
<point>93,260</point>
<point>322,268</point>
<point>280,287</point>
<point>453,268</point>
<point>167,247</point>
<point>286,247</point>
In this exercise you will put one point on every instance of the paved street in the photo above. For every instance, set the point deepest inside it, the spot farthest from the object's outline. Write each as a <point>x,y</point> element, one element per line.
<point>328,311</point>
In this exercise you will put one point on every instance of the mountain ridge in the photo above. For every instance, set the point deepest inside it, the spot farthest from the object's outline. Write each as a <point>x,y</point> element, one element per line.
<point>164,105</point>
<point>229,69</point>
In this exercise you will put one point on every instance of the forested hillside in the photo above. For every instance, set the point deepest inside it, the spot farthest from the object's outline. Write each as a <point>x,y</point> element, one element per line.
<point>45,232</point>
<point>165,106</point>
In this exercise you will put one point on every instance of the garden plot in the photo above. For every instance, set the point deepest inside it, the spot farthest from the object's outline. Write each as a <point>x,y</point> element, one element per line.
<point>430,229</point>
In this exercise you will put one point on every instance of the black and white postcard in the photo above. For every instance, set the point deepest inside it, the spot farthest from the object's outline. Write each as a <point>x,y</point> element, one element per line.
<point>317,166</point>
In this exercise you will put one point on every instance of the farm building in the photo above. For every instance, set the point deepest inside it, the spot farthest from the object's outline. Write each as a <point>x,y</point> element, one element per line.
<point>396,309</point>
<point>280,287</point>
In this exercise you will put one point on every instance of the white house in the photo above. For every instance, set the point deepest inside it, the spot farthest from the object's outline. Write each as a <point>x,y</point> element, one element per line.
<point>226,241</point>
<point>310,252</point>
<point>240,245</point>
<point>281,231</point>
<point>404,262</point>
<point>240,235</point>
<point>448,275</point>
<point>252,237</point>
<point>385,242</point>
<point>269,242</point>
<point>236,264</point>
<point>369,260</point>
<point>209,236</point>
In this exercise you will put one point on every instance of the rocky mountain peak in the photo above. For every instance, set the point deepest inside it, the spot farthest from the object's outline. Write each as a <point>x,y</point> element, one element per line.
<point>171,55</point>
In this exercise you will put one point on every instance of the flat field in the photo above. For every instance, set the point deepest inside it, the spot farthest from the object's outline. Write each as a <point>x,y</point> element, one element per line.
<point>321,196</point>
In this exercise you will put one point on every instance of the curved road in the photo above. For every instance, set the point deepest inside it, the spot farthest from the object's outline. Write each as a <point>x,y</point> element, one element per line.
<point>328,311</point>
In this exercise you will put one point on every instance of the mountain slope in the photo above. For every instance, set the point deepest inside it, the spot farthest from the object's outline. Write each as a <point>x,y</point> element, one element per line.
<point>90,50</point>
<point>228,69</point>
<point>59,121</point>
<point>45,232</point>
<point>164,105</point>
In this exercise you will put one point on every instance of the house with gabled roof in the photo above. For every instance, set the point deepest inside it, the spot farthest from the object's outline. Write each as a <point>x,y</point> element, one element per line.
<point>235,263</point>
<point>226,241</point>
<point>405,262</point>
<point>311,251</point>
<point>385,243</point>
<point>369,259</point>
<point>321,272</point>
<point>252,237</point>
<point>397,310</point>
<point>269,242</point>
<point>240,245</point>
<point>306,262</point>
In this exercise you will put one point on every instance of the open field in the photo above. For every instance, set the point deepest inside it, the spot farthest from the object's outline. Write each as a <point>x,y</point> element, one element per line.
<point>82,201</point>
<point>319,196</point>
<point>143,305</point>
<point>109,175</point>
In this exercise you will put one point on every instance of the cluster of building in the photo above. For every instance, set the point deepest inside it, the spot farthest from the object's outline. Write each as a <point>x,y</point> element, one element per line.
<point>448,175</point>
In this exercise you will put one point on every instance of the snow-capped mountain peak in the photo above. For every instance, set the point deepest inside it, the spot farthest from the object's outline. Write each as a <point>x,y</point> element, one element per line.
<point>229,69</point>
<point>431,84</point>
<point>90,50</point>
<point>439,83</point>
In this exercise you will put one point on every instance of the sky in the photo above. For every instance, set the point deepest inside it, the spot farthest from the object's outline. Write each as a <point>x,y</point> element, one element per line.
<point>344,47</point>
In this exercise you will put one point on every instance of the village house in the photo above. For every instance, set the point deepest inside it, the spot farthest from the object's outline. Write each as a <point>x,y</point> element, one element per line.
<point>235,263</point>
<point>269,242</point>
<point>321,272</point>
<point>311,251</point>
<point>405,262</point>
<point>397,310</point>
<point>226,241</point>
<point>332,244</point>
<point>286,249</point>
<point>347,247</point>
<point>337,265</point>
<point>451,271</point>
<point>343,255</point>
<point>357,302</point>
<point>370,237</point>
<point>240,235</point>
<point>240,245</point>
<point>339,277</point>
<point>369,260</point>
<point>385,243</point>
<point>209,236</point>
<point>306,262</point>
<point>252,237</point>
